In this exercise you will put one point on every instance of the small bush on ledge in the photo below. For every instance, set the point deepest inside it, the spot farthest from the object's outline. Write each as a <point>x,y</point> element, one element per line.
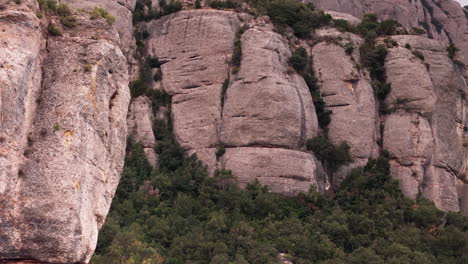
<point>54,30</point>
<point>298,60</point>
<point>98,12</point>
<point>332,156</point>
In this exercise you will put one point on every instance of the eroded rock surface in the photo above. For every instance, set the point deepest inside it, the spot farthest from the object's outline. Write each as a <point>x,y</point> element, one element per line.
<point>423,132</point>
<point>282,170</point>
<point>443,20</point>
<point>194,70</point>
<point>266,105</point>
<point>347,92</point>
<point>64,135</point>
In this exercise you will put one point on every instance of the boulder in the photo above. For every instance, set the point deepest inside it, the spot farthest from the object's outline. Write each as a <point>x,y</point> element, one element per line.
<point>424,135</point>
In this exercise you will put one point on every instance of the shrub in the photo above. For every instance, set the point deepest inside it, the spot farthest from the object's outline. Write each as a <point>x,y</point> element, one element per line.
<point>217,4</point>
<point>301,17</point>
<point>332,156</point>
<point>418,54</point>
<point>371,28</point>
<point>381,89</point>
<point>64,10</point>
<point>53,30</point>
<point>157,76</point>
<point>56,126</point>
<point>158,98</point>
<point>369,25</point>
<point>418,31</point>
<point>408,46</point>
<point>138,88</point>
<point>323,116</point>
<point>220,151</point>
<point>197,4</point>
<point>172,7</point>
<point>224,91</point>
<point>452,51</point>
<point>343,25</point>
<point>153,62</point>
<point>349,48</point>
<point>373,57</point>
<point>48,5</point>
<point>298,60</point>
<point>68,21</point>
<point>387,27</point>
<point>99,12</point>
<point>87,67</point>
<point>237,53</point>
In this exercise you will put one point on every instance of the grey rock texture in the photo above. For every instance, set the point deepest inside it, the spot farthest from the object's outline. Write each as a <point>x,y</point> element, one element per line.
<point>140,120</point>
<point>63,134</point>
<point>348,94</point>
<point>266,108</point>
<point>412,87</point>
<point>424,132</point>
<point>194,70</point>
<point>282,170</point>
<point>21,62</point>
<point>265,105</point>
<point>443,20</point>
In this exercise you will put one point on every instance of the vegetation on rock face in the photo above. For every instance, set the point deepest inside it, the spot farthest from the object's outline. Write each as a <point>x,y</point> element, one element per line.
<point>237,53</point>
<point>300,62</point>
<point>217,4</point>
<point>54,30</point>
<point>452,50</point>
<point>373,57</point>
<point>51,7</point>
<point>302,18</point>
<point>331,156</point>
<point>370,27</point>
<point>178,214</point>
<point>99,12</point>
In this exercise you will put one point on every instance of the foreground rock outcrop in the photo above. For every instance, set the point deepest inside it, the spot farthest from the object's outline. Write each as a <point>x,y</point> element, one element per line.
<point>444,20</point>
<point>64,103</point>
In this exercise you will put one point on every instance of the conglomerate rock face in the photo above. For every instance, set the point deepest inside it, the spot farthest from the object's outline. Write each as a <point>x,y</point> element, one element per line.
<point>64,102</point>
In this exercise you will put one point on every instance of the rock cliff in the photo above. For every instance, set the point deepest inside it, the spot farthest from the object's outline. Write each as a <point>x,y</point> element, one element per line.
<point>65,107</point>
<point>64,103</point>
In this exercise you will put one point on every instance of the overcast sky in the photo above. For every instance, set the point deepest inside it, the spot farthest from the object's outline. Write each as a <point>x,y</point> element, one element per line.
<point>463,2</point>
